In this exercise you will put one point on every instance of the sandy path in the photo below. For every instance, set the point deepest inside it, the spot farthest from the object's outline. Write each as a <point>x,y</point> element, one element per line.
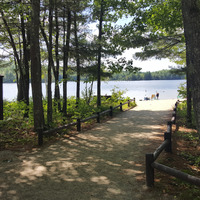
<point>106,162</point>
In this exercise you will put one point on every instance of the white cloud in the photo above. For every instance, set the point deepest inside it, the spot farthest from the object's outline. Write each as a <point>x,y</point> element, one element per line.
<point>148,65</point>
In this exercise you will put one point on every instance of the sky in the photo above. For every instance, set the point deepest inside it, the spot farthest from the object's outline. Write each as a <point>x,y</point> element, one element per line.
<point>150,64</point>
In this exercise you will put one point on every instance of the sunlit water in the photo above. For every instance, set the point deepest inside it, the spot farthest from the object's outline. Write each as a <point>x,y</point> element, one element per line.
<point>138,89</point>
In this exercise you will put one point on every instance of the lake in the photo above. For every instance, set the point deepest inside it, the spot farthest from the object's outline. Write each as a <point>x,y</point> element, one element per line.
<point>138,89</point>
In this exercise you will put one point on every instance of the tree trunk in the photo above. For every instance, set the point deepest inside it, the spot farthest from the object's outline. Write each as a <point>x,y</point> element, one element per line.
<point>57,89</point>
<point>50,60</point>
<point>26,59</point>
<point>189,95</point>
<point>66,58</point>
<point>36,67</point>
<point>20,96</point>
<point>77,61</point>
<point>99,56</point>
<point>191,19</point>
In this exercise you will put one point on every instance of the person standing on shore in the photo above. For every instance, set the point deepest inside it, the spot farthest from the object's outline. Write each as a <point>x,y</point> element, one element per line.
<point>157,95</point>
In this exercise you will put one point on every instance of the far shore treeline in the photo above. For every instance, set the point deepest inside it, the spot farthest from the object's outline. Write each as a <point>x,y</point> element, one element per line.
<point>10,77</point>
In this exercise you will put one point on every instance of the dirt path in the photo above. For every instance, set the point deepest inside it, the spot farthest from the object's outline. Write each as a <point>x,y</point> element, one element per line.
<point>106,162</point>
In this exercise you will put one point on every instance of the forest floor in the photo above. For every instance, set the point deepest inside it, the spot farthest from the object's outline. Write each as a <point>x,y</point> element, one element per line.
<point>104,162</point>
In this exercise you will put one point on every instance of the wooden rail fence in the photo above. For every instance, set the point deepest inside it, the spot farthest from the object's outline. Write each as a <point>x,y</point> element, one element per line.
<point>79,121</point>
<point>167,145</point>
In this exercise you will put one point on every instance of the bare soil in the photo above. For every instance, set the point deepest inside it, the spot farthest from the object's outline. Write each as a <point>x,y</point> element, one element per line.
<point>105,162</point>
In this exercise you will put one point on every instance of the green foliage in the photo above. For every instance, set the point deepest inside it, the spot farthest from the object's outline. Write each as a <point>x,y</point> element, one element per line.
<point>193,194</point>
<point>156,27</point>
<point>189,136</point>
<point>117,96</point>
<point>193,159</point>
<point>182,91</point>
<point>182,113</point>
<point>9,74</point>
<point>10,109</point>
<point>15,129</point>
<point>84,110</point>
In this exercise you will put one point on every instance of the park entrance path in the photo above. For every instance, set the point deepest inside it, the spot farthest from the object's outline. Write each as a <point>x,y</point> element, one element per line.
<point>106,162</point>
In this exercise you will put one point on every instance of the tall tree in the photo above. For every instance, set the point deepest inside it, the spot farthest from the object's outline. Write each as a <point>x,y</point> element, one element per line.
<point>99,53</point>
<point>66,60</point>
<point>57,68</point>
<point>36,66</point>
<point>14,37</point>
<point>106,14</point>
<point>77,58</point>
<point>26,52</point>
<point>191,19</point>
<point>50,64</point>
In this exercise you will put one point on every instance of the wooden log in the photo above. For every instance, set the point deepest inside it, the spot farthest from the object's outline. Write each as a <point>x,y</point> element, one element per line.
<point>178,174</point>
<point>104,112</point>
<point>167,136</point>
<point>59,128</point>
<point>88,118</point>
<point>174,116</point>
<point>158,151</point>
<point>116,107</point>
<point>169,126</point>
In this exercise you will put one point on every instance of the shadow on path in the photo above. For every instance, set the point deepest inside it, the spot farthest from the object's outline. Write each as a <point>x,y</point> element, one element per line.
<point>106,162</point>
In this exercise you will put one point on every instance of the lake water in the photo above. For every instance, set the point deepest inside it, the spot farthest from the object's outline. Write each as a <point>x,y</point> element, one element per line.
<point>138,89</point>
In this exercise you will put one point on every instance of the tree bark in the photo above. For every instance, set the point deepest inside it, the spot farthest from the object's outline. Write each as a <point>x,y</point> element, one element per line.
<point>50,63</point>
<point>189,94</point>
<point>66,58</point>
<point>57,89</point>
<point>26,59</point>
<point>191,19</point>
<point>99,56</point>
<point>77,60</point>
<point>36,67</point>
<point>20,83</point>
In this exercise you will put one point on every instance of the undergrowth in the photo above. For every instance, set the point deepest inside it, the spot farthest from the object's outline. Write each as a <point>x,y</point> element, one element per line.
<point>16,130</point>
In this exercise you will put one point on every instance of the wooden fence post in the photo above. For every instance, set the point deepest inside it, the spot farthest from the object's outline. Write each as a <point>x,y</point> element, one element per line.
<point>167,136</point>
<point>78,124</point>
<point>174,115</point>
<point>128,103</point>
<point>149,170</point>
<point>111,111</point>
<point>98,117</point>
<point>169,127</point>
<point>121,106</point>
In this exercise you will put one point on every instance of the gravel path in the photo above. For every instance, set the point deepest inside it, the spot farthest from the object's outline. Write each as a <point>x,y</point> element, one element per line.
<point>106,162</point>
